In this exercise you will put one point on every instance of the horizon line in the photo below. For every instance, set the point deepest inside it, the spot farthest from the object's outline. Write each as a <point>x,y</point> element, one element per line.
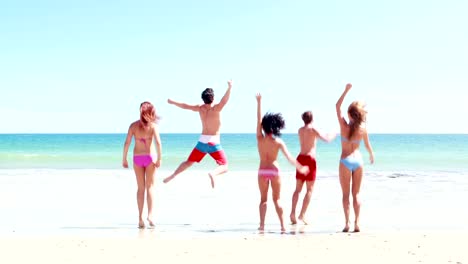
<point>226,133</point>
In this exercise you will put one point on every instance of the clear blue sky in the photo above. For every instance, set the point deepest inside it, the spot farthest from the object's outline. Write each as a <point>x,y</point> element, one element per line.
<point>85,66</point>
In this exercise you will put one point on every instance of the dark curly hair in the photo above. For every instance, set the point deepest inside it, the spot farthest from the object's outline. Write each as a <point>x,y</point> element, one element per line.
<point>272,123</point>
<point>208,95</point>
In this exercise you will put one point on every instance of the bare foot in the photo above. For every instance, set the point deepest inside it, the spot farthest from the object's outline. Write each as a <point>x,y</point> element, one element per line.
<point>303,220</point>
<point>150,222</point>
<point>346,229</point>
<point>356,228</point>
<point>293,219</point>
<point>168,179</point>
<point>283,230</point>
<point>261,228</point>
<point>212,180</point>
<point>141,224</point>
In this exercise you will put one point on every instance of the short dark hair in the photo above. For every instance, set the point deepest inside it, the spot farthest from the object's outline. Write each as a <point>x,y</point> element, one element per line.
<point>272,123</point>
<point>307,117</point>
<point>208,95</point>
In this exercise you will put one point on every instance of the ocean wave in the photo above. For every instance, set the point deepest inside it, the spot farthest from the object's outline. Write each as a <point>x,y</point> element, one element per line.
<point>399,175</point>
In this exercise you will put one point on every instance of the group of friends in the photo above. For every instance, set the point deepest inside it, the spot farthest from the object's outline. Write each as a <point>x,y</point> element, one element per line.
<point>147,154</point>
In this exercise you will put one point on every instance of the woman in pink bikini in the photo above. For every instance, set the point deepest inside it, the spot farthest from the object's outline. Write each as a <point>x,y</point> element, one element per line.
<point>269,144</point>
<point>145,160</point>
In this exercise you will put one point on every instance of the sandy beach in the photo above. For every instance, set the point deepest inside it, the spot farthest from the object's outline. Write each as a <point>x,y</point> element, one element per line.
<point>68,225</point>
<point>421,247</point>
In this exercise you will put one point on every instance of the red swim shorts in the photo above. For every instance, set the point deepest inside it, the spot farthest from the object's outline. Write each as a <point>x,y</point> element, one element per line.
<point>215,151</point>
<point>307,160</point>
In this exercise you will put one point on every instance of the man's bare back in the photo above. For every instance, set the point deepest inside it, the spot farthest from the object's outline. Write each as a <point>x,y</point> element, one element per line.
<point>210,117</point>
<point>308,138</point>
<point>308,135</point>
<point>209,142</point>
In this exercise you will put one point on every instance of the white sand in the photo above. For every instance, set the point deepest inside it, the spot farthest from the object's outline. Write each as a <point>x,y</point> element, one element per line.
<point>423,247</point>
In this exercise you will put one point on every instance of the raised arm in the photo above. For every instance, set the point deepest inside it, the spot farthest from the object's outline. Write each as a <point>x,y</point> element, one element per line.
<point>259,116</point>
<point>127,143</point>
<point>226,96</point>
<point>194,108</point>
<point>340,102</point>
<point>157,140</point>
<point>368,147</point>
<point>291,159</point>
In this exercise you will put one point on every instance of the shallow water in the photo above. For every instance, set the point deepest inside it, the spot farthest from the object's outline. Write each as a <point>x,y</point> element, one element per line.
<point>103,202</point>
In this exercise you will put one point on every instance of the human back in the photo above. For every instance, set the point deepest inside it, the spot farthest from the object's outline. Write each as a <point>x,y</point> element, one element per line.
<point>353,132</point>
<point>268,148</point>
<point>144,136</point>
<point>269,144</point>
<point>351,166</point>
<point>210,116</point>
<point>351,145</point>
<point>210,139</point>
<point>145,162</point>
<point>308,135</point>
<point>308,140</point>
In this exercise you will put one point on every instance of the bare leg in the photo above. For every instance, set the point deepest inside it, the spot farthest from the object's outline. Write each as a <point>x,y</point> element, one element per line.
<point>150,171</point>
<point>140,178</point>
<point>218,171</point>
<point>355,189</point>
<point>295,198</point>
<point>305,203</point>
<point>182,167</point>
<point>345,179</point>
<point>263,185</point>
<point>276,189</point>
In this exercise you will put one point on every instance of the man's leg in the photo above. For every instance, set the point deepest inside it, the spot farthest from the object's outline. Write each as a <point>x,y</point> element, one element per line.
<point>195,156</point>
<point>182,167</point>
<point>221,160</point>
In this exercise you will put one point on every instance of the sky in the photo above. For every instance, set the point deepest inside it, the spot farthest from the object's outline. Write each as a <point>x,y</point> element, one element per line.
<point>85,66</point>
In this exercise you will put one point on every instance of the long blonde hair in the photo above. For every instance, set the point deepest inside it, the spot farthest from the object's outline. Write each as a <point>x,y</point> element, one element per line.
<point>358,115</point>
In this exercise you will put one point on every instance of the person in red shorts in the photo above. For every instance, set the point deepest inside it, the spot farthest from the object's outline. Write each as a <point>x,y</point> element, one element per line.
<point>308,135</point>
<point>209,141</point>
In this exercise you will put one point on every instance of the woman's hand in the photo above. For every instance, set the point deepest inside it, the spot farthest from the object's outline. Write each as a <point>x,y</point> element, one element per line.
<point>304,170</point>
<point>348,87</point>
<point>157,164</point>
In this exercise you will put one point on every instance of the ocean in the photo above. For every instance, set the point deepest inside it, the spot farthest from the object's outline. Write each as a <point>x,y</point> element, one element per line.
<point>59,183</point>
<point>400,153</point>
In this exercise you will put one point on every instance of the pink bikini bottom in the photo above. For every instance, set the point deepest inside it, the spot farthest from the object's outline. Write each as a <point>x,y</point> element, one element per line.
<point>267,173</point>
<point>143,160</point>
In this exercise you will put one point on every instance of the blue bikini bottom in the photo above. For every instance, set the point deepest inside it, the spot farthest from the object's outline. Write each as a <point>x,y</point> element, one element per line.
<point>352,163</point>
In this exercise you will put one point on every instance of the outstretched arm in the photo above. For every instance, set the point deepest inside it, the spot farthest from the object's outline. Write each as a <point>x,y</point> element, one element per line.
<point>127,143</point>
<point>195,108</point>
<point>369,147</point>
<point>329,137</point>
<point>340,102</point>
<point>259,116</point>
<point>157,140</point>
<point>226,96</point>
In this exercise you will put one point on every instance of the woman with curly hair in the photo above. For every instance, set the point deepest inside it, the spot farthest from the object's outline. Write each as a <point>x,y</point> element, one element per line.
<point>269,144</point>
